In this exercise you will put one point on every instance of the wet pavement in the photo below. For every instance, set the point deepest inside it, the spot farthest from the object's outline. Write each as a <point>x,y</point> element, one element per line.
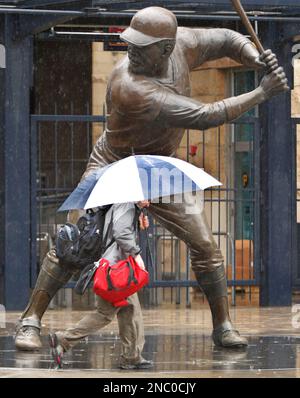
<point>178,341</point>
<point>172,353</point>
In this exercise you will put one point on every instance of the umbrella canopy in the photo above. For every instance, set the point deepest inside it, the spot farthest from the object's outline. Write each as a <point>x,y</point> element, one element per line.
<point>137,178</point>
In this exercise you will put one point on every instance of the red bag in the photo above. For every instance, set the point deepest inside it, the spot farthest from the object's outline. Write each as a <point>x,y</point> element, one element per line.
<point>116,282</point>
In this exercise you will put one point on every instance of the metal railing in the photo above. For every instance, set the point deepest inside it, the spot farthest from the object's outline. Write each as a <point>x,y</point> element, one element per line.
<point>59,170</point>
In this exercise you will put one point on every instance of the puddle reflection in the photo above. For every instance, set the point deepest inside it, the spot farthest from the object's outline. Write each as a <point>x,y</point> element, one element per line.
<point>169,353</point>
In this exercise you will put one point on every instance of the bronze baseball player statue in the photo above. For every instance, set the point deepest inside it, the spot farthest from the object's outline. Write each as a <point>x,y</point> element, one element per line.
<point>149,108</point>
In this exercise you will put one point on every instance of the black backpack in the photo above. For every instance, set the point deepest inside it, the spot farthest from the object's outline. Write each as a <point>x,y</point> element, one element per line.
<point>82,244</point>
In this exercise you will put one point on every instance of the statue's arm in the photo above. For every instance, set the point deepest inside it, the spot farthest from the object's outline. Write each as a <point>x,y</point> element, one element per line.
<point>180,111</point>
<point>201,45</point>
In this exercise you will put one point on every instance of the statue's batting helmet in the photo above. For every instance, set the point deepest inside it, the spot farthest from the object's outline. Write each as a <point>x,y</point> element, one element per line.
<point>151,25</point>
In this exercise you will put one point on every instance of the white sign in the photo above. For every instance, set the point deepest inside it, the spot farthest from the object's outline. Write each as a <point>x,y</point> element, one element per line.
<point>2,56</point>
<point>2,317</point>
<point>296,317</point>
<point>296,51</point>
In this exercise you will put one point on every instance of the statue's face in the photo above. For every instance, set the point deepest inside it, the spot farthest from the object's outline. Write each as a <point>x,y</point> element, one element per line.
<point>146,60</point>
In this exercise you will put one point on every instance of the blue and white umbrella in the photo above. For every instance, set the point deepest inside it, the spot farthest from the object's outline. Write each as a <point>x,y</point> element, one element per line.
<point>136,178</point>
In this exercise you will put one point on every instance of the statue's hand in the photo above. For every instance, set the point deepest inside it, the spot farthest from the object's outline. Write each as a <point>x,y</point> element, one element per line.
<point>252,58</point>
<point>269,60</point>
<point>274,83</point>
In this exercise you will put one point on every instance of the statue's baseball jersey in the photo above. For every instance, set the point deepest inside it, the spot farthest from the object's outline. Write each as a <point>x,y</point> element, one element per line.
<point>148,115</point>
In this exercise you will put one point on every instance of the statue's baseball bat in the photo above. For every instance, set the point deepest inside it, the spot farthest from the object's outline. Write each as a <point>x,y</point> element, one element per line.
<point>241,12</point>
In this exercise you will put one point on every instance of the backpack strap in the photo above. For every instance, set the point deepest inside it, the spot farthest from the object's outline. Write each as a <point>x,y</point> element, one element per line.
<point>85,278</point>
<point>109,227</point>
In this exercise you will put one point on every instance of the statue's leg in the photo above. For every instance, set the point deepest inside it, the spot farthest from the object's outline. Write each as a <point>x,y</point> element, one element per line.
<point>213,283</point>
<point>51,278</point>
<point>53,275</point>
<point>188,222</point>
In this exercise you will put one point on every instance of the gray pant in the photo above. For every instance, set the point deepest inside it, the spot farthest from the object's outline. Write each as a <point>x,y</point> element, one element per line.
<point>130,322</point>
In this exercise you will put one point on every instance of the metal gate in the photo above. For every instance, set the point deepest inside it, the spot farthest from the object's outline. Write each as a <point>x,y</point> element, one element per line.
<point>61,145</point>
<point>232,212</point>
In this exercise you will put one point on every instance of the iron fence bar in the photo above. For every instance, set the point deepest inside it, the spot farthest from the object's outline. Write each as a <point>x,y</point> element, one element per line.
<point>56,153</point>
<point>219,178</point>
<point>172,264</point>
<point>38,193</point>
<point>96,13</point>
<point>33,188</point>
<point>183,283</point>
<point>88,133</point>
<point>296,271</point>
<point>252,208</point>
<point>64,190</point>
<point>234,207</point>
<point>72,144</point>
<point>227,228</point>
<point>203,146</point>
<point>177,269</point>
<point>250,262</point>
<point>230,200</point>
<point>245,120</point>
<point>233,292</point>
<point>69,118</point>
<point>242,227</point>
<point>154,245</point>
<point>257,194</point>
<point>229,211</point>
<point>187,267</point>
<point>164,254</point>
<point>211,200</point>
<point>208,200</point>
<point>65,161</point>
<point>187,252</point>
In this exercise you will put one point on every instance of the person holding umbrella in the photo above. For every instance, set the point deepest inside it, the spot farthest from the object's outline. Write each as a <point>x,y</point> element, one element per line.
<point>149,108</point>
<point>120,231</point>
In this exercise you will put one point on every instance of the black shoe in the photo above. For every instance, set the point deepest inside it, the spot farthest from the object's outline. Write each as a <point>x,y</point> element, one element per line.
<point>56,350</point>
<point>143,364</point>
